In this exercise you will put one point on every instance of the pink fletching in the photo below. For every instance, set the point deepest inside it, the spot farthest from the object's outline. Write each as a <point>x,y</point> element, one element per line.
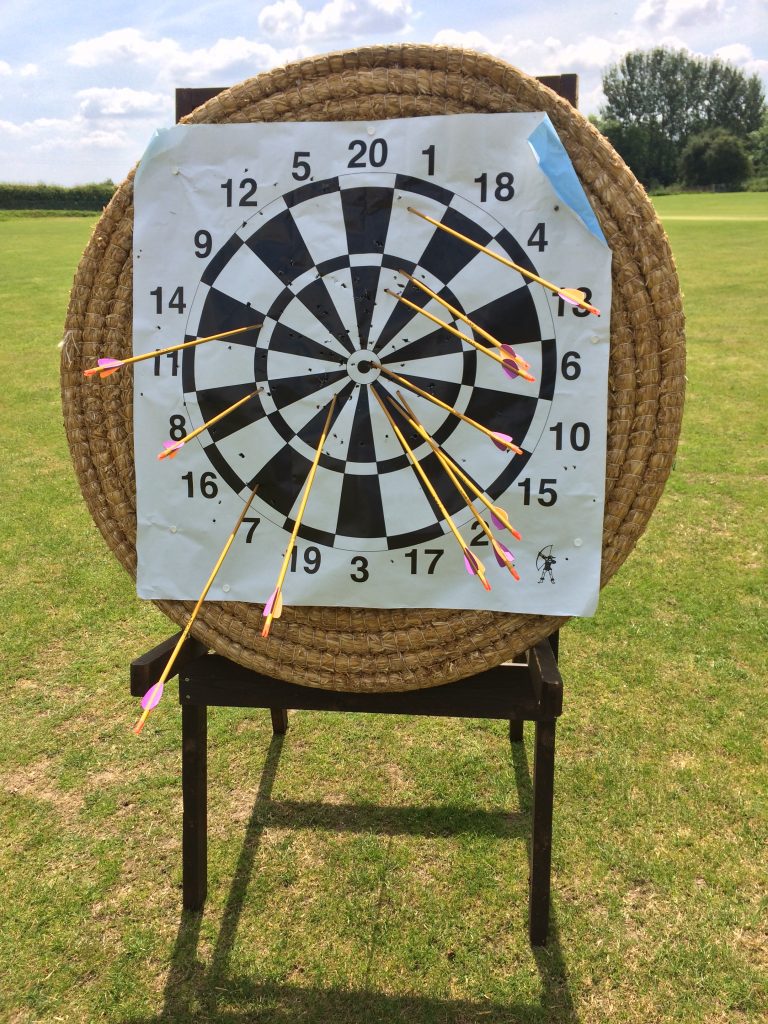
<point>501,440</point>
<point>511,354</point>
<point>152,697</point>
<point>498,523</point>
<point>104,363</point>
<point>510,367</point>
<point>172,448</point>
<point>470,562</point>
<point>503,554</point>
<point>270,604</point>
<point>567,298</point>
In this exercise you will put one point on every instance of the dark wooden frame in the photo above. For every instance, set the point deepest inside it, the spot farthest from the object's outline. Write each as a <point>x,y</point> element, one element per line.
<point>530,689</point>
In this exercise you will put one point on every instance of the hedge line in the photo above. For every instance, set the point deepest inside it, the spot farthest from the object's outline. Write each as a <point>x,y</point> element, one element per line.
<point>56,197</point>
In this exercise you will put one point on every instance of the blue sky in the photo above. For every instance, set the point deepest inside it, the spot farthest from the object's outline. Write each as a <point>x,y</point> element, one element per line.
<point>82,88</point>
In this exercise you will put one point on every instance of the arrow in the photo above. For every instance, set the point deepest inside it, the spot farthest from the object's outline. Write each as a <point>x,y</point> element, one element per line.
<point>447,327</point>
<point>273,609</point>
<point>522,365</point>
<point>504,557</point>
<point>500,440</point>
<point>572,295</point>
<point>503,441</point>
<point>500,520</point>
<point>274,605</point>
<point>451,472</point>
<point>473,565</point>
<point>172,448</point>
<point>105,367</point>
<point>512,364</point>
<point>495,510</point>
<point>152,697</point>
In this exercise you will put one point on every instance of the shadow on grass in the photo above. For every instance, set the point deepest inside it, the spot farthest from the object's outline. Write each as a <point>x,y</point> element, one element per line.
<point>197,993</point>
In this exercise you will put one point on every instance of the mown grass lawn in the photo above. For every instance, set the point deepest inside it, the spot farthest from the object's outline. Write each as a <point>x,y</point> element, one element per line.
<point>374,869</point>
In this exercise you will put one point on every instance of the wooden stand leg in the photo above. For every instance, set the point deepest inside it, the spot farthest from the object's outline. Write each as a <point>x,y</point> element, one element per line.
<point>194,788</point>
<point>541,846</point>
<point>515,731</point>
<point>279,721</point>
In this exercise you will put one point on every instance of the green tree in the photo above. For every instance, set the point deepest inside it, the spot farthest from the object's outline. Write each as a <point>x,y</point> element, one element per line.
<point>657,99</point>
<point>716,157</point>
<point>757,144</point>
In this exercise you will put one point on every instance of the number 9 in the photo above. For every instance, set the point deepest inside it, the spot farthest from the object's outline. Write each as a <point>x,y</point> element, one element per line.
<point>203,244</point>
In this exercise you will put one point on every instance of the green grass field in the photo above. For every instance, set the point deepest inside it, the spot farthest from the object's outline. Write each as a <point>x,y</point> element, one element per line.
<point>373,868</point>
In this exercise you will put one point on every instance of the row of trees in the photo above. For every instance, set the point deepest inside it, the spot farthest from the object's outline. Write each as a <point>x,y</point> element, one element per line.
<point>674,117</point>
<point>91,198</point>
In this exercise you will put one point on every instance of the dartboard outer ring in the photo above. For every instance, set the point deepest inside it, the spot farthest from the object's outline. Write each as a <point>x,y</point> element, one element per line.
<point>360,649</point>
<point>212,309</point>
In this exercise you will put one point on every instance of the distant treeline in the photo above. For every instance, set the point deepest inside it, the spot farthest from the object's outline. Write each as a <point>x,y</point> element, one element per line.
<point>56,197</point>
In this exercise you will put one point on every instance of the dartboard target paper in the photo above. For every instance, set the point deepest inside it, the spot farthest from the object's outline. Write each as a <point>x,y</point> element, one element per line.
<point>353,647</point>
<point>304,234</point>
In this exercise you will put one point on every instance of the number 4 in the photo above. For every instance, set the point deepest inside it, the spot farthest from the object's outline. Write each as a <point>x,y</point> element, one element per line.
<point>538,237</point>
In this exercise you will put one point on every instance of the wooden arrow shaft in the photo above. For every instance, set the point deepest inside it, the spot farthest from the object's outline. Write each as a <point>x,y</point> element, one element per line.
<point>451,309</point>
<point>419,427</point>
<point>447,327</point>
<point>218,417</point>
<point>420,470</point>
<point>501,259</point>
<point>186,344</point>
<point>209,583</point>
<point>462,475</point>
<point>300,513</point>
<point>444,405</point>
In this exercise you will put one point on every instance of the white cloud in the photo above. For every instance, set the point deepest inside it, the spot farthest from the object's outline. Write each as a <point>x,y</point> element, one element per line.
<point>337,18</point>
<point>173,63</point>
<point>29,70</point>
<point>5,68</point>
<point>546,56</point>
<point>742,57</point>
<point>125,45</point>
<point>589,56</point>
<point>281,18</point>
<point>45,133</point>
<point>109,103</point>
<point>668,14</point>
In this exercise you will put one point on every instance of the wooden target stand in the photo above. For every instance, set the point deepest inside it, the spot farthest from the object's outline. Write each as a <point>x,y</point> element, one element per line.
<point>528,689</point>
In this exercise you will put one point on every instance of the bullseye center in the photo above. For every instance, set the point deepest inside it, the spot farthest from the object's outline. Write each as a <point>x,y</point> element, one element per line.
<point>362,368</point>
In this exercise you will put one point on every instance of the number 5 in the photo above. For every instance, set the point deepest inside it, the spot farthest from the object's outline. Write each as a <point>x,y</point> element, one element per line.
<point>301,169</point>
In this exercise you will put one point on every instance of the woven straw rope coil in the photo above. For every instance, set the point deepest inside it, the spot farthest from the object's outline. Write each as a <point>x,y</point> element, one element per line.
<point>358,649</point>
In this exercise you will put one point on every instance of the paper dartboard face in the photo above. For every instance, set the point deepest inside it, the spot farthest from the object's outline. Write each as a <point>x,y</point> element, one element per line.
<point>305,234</point>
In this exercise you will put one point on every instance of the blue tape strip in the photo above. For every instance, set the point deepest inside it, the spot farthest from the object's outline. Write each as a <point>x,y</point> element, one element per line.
<point>556,164</point>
